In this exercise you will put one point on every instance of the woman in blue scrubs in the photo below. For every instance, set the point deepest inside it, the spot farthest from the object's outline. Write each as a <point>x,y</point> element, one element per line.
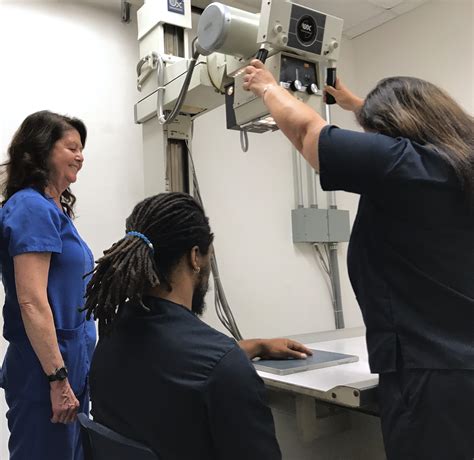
<point>44,261</point>
<point>411,253</point>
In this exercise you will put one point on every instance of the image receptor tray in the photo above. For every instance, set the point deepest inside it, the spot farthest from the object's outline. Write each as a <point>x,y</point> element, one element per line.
<point>318,360</point>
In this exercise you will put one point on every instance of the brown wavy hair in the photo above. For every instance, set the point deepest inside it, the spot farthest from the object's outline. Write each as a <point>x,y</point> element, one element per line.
<point>420,111</point>
<point>29,152</point>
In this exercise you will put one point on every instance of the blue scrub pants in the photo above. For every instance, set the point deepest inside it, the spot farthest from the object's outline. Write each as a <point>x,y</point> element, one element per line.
<point>34,437</point>
<point>27,392</point>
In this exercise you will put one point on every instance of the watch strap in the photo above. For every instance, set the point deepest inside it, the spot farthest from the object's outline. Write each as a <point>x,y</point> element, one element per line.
<point>59,375</point>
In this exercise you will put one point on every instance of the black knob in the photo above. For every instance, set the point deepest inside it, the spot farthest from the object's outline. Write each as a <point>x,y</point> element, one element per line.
<point>262,55</point>
<point>312,88</point>
<point>296,85</point>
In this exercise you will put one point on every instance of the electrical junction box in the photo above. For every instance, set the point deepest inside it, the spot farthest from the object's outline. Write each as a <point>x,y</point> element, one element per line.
<point>339,225</point>
<point>314,225</point>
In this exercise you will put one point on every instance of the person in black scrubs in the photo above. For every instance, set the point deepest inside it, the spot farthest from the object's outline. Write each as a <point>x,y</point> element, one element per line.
<point>411,253</point>
<point>159,374</point>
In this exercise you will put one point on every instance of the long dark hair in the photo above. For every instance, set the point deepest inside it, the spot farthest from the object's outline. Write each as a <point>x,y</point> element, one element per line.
<point>29,151</point>
<point>420,111</point>
<point>174,223</point>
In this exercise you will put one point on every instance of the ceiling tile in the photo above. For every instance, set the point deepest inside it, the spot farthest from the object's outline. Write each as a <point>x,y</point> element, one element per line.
<point>386,4</point>
<point>369,24</point>
<point>408,6</point>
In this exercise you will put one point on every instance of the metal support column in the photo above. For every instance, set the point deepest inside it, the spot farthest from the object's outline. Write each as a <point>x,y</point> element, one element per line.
<point>333,261</point>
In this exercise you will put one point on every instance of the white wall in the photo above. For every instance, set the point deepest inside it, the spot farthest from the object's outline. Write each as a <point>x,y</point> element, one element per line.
<point>434,42</point>
<point>78,60</point>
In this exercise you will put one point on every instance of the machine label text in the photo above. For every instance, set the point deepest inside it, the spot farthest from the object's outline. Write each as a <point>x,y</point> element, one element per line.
<point>176,6</point>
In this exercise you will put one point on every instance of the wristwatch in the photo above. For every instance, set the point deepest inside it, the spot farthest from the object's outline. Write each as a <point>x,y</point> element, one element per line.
<point>59,375</point>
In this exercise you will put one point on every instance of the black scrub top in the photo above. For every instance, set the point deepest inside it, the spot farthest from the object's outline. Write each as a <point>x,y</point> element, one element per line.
<point>168,380</point>
<point>411,252</point>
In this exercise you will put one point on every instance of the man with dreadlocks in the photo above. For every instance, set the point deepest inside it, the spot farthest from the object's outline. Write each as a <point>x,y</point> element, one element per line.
<point>160,375</point>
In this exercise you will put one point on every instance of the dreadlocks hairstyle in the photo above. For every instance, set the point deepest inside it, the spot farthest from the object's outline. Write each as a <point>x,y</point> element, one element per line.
<point>29,152</point>
<point>420,111</point>
<point>173,223</point>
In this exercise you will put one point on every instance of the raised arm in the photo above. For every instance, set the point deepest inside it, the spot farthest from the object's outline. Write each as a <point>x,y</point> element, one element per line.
<point>299,123</point>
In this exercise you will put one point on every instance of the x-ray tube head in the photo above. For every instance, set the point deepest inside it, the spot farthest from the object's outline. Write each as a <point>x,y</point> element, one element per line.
<point>227,30</point>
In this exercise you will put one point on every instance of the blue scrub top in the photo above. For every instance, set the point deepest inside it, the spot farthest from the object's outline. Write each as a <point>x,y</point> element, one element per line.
<point>31,222</point>
<point>411,253</point>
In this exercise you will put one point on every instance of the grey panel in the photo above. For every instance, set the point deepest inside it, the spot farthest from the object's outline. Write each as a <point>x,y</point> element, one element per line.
<point>313,225</point>
<point>339,225</point>
<point>310,225</point>
<point>318,360</point>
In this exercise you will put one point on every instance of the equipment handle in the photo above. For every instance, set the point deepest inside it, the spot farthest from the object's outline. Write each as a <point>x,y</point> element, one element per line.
<point>330,81</point>
<point>262,55</point>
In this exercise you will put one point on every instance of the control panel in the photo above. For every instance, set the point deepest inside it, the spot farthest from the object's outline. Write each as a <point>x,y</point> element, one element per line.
<point>298,75</point>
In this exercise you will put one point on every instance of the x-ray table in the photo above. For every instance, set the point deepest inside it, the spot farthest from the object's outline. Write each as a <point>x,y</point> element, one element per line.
<point>350,385</point>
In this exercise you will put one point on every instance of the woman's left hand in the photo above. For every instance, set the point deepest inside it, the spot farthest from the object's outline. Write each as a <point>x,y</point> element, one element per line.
<point>344,97</point>
<point>257,77</point>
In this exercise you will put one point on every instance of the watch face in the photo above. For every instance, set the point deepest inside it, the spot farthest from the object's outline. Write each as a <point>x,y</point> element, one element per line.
<point>61,374</point>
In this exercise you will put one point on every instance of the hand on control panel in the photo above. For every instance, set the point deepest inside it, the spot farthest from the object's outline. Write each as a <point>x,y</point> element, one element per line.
<point>257,78</point>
